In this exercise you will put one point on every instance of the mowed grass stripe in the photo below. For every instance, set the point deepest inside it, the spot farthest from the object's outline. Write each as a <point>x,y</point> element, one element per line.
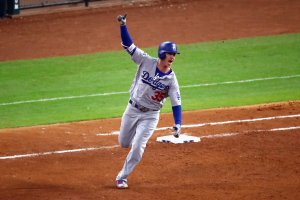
<point>124,92</point>
<point>200,64</point>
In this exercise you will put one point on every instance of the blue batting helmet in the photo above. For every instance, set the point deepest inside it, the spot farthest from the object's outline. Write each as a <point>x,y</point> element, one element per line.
<point>167,47</point>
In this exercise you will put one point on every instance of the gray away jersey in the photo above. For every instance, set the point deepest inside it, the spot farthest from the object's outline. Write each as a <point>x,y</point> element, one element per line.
<point>148,89</point>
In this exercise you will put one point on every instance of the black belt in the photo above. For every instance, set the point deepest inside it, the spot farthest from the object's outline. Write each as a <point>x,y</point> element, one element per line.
<point>139,107</point>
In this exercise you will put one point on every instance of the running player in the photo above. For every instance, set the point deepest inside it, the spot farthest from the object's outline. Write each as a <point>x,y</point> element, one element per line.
<point>154,81</point>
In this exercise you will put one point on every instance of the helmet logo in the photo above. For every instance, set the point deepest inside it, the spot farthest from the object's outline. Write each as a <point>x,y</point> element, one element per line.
<point>174,47</point>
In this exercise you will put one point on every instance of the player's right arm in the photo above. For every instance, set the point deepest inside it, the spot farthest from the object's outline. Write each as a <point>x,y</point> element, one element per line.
<point>127,41</point>
<point>137,54</point>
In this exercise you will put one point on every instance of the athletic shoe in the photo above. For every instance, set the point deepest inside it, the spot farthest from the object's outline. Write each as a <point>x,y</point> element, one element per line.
<point>122,184</point>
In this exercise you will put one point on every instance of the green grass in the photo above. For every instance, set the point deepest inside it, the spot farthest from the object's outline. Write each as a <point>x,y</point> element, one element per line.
<point>210,62</point>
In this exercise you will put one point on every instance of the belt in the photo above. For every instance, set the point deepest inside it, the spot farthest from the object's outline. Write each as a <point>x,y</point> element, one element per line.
<point>139,107</point>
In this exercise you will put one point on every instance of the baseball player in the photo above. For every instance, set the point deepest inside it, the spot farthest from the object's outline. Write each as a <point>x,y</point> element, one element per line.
<point>154,81</point>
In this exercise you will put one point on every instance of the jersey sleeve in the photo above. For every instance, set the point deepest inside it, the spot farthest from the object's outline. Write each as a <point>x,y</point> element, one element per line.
<point>127,41</point>
<point>175,98</point>
<point>174,93</point>
<point>139,56</point>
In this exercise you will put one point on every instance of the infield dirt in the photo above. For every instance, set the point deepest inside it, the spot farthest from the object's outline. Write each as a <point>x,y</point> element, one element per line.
<point>255,164</point>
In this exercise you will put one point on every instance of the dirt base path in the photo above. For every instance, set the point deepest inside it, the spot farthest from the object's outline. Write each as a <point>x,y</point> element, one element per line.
<point>245,153</point>
<point>242,155</point>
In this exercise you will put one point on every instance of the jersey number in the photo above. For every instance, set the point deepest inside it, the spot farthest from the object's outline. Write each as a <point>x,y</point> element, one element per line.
<point>158,96</point>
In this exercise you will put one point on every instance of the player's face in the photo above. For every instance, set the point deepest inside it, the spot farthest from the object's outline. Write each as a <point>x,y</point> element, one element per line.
<point>170,58</point>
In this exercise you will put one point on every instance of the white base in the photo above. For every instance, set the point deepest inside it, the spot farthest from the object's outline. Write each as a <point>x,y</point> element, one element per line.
<point>181,139</point>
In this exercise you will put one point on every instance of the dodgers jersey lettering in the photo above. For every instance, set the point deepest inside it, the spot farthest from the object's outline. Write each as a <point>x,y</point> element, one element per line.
<point>149,88</point>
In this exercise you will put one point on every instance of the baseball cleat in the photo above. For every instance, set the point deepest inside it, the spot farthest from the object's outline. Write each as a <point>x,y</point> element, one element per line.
<point>122,184</point>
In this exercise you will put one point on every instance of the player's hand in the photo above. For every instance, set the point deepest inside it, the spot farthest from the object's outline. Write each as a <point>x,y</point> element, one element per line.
<point>122,19</point>
<point>177,130</point>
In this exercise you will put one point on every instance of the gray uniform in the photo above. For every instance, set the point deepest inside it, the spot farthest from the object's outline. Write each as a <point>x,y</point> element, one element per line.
<point>148,93</point>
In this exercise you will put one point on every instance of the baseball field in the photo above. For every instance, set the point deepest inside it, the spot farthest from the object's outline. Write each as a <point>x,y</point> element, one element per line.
<point>64,82</point>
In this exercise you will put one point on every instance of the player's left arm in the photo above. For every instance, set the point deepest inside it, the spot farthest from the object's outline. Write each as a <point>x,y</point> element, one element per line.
<point>175,98</point>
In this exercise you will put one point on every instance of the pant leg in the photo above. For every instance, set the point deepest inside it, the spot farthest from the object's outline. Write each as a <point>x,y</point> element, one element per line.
<point>128,126</point>
<point>144,130</point>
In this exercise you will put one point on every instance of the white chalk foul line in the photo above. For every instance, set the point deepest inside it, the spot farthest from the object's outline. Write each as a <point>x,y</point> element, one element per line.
<point>285,129</point>
<point>241,81</point>
<point>117,93</point>
<point>233,134</point>
<point>57,152</point>
<point>219,135</point>
<point>215,123</point>
<point>115,146</point>
<point>61,98</point>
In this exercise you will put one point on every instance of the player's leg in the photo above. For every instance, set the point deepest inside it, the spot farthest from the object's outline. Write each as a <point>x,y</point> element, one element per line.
<point>128,126</point>
<point>144,131</point>
<point>127,132</point>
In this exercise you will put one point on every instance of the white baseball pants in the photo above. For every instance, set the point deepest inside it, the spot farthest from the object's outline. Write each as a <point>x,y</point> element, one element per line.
<point>136,129</point>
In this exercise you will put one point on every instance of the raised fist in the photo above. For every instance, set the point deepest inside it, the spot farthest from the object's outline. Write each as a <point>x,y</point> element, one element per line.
<point>122,19</point>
